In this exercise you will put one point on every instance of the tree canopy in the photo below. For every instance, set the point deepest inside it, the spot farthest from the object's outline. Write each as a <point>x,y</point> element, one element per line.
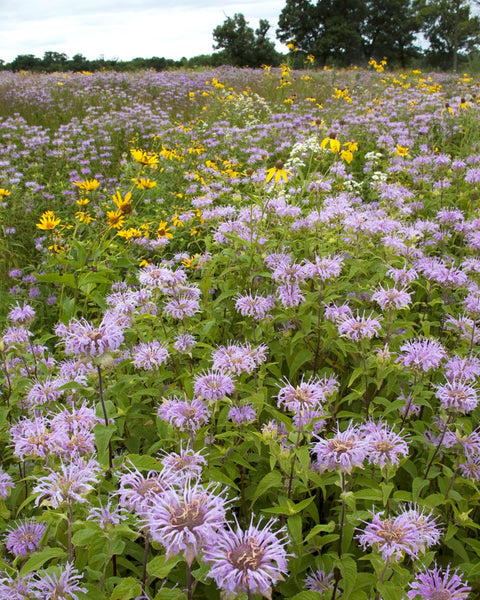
<point>242,46</point>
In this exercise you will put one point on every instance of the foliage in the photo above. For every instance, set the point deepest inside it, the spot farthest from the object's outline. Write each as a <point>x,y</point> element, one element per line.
<point>244,47</point>
<point>450,30</point>
<point>239,334</point>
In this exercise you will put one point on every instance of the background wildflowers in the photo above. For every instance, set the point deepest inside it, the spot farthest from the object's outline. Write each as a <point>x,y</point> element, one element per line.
<point>239,335</point>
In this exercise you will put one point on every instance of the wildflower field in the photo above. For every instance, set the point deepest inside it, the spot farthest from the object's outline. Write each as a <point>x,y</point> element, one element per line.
<point>240,317</point>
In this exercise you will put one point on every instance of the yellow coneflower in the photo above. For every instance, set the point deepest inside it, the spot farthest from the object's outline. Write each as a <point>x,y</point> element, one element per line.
<point>56,249</point>
<point>82,201</point>
<point>48,221</point>
<point>149,159</point>
<point>144,184</point>
<point>88,185</point>
<point>401,150</point>
<point>116,219</point>
<point>130,233</point>
<point>278,171</point>
<point>332,142</point>
<point>84,217</point>
<point>176,221</point>
<point>4,193</point>
<point>190,263</point>
<point>123,204</point>
<point>163,231</point>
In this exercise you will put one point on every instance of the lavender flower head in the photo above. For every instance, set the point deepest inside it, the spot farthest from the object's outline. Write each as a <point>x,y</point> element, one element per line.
<point>239,358</point>
<point>186,465</point>
<point>150,355</point>
<point>64,586</point>
<point>359,327</point>
<point>185,520</point>
<point>392,537</point>
<point>346,450</point>
<point>184,343</point>
<point>22,315</point>
<point>256,306</point>
<point>186,415</point>
<point>6,483</point>
<point>250,561</point>
<point>70,483</point>
<point>435,584</point>
<point>213,385</point>
<point>428,530</point>
<point>242,415</point>
<point>422,354</point>
<point>106,516</point>
<point>319,581</point>
<point>24,537</point>
<point>385,447</point>
<point>82,338</point>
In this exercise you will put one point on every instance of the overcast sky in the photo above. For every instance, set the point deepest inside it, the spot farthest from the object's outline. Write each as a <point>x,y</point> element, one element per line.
<point>122,29</point>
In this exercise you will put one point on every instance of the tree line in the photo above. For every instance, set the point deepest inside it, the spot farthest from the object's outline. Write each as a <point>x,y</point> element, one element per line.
<point>441,34</point>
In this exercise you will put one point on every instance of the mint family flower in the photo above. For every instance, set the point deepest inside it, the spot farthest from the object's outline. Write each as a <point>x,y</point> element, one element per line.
<point>435,584</point>
<point>250,560</point>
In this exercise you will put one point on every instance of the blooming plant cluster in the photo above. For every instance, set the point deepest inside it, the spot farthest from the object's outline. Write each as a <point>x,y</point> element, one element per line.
<point>240,335</point>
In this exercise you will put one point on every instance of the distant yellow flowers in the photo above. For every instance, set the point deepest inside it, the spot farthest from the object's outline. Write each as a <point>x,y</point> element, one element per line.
<point>48,221</point>
<point>144,184</point>
<point>4,193</point>
<point>401,150</point>
<point>88,185</point>
<point>147,159</point>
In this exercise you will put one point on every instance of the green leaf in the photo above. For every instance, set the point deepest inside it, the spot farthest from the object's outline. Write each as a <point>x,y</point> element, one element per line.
<point>126,589</point>
<point>83,536</point>
<point>298,360</point>
<point>294,524</point>
<point>328,527</point>
<point>37,561</point>
<point>417,486</point>
<point>160,566</point>
<point>67,279</point>
<point>144,462</point>
<point>271,480</point>
<point>389,591</point>
<point>348,569</point>
<point>306,595</point>
<point>103,435</point>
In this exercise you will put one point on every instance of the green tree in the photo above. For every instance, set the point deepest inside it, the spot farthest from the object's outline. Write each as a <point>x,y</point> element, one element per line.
<point>242,46</point>
<point>331,30</point>
<point>54,61</point>
<point>25,62</point>
<point>390,30</point>
<point>450,30</point>
<point>350,31</point>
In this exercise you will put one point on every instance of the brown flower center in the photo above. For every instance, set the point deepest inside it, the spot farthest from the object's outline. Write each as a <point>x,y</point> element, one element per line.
<point>384,446</point>
<point>150,485</point>
<point>246,556</point>
<point>340,446</point>
<point>189,516</point>
<point>389,532</point>
<point>440,595</point>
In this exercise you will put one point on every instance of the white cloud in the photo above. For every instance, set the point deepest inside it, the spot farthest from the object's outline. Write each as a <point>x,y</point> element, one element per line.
<point>122,29</point>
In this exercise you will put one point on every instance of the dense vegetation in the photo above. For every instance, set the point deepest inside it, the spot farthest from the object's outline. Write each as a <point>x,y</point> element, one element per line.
<point>239,334</point>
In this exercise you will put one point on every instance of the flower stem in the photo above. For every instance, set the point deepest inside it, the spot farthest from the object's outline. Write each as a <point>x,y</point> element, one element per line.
<point>145,559</point>
<point>105,416</point>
